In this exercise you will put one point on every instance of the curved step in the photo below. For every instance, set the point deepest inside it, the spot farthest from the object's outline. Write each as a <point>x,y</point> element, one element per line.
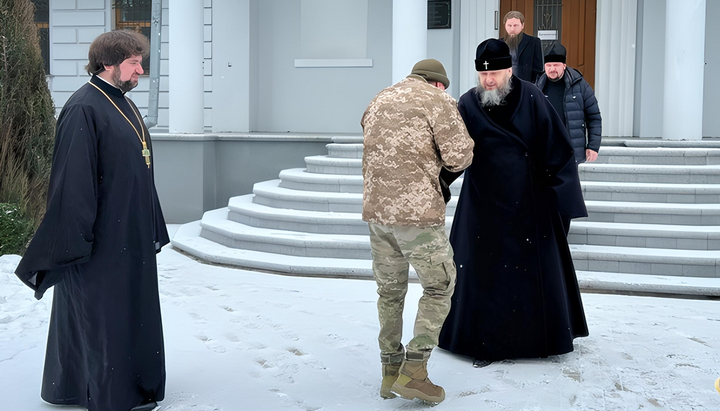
<point>645,235</point>
<point>353,139</point>
<point>188,239</point>
<point>299,179</point>
<point>652,192</point>
<point>243,210</point>
<point>216,227</point>
<point>334,165</point>
<point>650,173</point>
<point>347,150</point>
<point>658,155</point>
<point>653,213</point>
<point>269,193</point>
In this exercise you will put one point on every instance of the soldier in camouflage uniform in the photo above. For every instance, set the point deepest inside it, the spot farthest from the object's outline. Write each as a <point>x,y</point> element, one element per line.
<point>412,130</point>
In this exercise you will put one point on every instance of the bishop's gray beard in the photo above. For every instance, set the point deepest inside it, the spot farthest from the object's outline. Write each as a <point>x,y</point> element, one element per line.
<point>124,86</point>
<point>495,97</point>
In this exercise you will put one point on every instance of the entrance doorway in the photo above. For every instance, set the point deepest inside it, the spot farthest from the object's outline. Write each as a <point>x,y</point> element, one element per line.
<point>572,22</point>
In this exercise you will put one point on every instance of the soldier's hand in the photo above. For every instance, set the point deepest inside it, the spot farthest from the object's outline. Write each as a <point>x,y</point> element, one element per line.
<point>591,155</point>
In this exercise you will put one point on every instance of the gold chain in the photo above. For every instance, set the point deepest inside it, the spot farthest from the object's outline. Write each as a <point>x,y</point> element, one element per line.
<point>145,151</point>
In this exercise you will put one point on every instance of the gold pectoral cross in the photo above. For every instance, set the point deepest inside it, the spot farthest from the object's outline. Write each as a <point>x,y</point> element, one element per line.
<point>146,154</point>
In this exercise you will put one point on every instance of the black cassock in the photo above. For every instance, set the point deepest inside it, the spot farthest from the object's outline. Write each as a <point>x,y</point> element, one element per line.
<point>517,294</point>
<point>97,245</point>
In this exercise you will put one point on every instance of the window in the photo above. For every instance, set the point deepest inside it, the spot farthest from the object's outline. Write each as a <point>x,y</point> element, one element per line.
<point>42,21</point>
<point>135,15</point>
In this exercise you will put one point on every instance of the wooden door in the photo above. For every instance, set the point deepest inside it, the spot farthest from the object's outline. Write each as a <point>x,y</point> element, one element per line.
<point>575,20</point>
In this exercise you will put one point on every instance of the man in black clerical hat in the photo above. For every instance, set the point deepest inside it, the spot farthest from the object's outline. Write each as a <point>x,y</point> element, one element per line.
<point>517,294</point>
<point>575,102</point>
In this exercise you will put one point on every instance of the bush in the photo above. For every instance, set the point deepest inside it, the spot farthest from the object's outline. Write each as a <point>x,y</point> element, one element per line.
<point>27,119</point>
<point>15,230</point>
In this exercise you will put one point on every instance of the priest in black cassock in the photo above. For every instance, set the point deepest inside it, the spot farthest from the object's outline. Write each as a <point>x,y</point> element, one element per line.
<point>517,294</point>
<point>97,243</point>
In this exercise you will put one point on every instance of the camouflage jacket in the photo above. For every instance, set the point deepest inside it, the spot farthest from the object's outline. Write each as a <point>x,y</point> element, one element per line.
<point>411,130</point>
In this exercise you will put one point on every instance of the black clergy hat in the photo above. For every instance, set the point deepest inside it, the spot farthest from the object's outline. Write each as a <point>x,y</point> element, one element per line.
<point>556,54</point>
<point>492,55</point>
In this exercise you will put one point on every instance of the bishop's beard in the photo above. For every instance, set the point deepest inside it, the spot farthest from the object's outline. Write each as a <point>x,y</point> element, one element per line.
<point>495,97</point>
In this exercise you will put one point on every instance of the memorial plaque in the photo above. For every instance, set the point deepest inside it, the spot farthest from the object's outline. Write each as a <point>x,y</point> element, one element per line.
<point>438,14</point>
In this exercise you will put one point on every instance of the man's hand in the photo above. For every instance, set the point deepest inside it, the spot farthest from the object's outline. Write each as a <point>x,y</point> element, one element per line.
<point>591,155</point>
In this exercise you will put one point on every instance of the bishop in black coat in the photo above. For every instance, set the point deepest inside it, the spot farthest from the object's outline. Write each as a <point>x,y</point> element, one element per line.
<point>97,245</point>
<point>517,294</point>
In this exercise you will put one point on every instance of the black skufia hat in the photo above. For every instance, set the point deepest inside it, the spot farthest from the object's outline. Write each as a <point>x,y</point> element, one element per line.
<point>556,54</point>
<point>492,55</point>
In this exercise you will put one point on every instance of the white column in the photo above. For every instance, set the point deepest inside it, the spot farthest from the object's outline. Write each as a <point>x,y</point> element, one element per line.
<point>615,65</point>
<point>684,70</point>
<point>409,36</point>
<point>186,97</point>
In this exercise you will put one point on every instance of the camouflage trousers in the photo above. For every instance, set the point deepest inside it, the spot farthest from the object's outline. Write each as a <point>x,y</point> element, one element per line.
<point>430,253</point>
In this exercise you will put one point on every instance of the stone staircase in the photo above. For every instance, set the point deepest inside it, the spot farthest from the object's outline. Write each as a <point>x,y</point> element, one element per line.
<point>654,209</point>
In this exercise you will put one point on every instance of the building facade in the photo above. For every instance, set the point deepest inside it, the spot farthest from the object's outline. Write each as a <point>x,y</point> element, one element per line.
<point>249,87</point>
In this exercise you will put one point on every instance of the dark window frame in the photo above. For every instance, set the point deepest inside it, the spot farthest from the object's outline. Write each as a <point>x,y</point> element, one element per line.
<point>42,22</point>
<point>134,15</point>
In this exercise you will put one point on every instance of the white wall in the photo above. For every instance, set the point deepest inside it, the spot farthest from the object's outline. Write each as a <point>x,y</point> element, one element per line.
<point>711,92</point>
<point>75,24</point>
<point>316,99</point>
<point>650,74</point>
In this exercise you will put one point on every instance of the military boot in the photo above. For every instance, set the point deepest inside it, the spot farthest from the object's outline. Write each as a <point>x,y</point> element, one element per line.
<point>390,371</point>
<point>413,381</point>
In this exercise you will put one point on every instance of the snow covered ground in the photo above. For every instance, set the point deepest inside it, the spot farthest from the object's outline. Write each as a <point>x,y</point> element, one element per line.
<point>241,340</point>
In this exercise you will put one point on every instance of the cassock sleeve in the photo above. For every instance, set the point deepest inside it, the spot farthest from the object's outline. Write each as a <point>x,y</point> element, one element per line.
<point>65,237</point>
<point>560,166</point>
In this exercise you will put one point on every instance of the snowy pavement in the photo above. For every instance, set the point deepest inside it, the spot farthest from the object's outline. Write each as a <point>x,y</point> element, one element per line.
<point>241,340</point>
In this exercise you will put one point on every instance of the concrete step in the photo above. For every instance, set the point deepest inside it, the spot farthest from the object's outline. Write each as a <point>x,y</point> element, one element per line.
<point>352,139</point>
<point>271,194</point>
<point>653,213</point>
<point>658,155</point>
<point>636,142</point>
<point>300,179</point>
<point>345,150</point>
<point>645,235</point>
<point>614,154</point>
<point>652,192</point>
<point>243,210</point>
<point>216,227</point>
<point>655,261</point>
<point>188,239</point>
<point>334,165</point>
<point>637,173</point>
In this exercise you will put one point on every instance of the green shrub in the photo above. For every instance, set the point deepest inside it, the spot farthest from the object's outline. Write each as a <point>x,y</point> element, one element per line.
<point>15,230</point>
<point>27,121</point>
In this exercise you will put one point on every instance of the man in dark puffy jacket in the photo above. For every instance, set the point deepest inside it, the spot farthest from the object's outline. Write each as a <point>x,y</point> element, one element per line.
<point>575,102</point>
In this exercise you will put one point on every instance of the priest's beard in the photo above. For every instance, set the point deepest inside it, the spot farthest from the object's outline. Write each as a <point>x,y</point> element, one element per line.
<point>514,41</point>
<point>124,86</point>
<point>495,97</point>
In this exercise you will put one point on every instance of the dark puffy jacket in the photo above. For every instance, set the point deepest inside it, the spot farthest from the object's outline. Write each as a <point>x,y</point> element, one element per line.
<point>582,114</point>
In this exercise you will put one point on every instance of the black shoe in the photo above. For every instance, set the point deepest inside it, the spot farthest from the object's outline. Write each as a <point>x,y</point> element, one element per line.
<point>481,363</point>
<point>145,407</point>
